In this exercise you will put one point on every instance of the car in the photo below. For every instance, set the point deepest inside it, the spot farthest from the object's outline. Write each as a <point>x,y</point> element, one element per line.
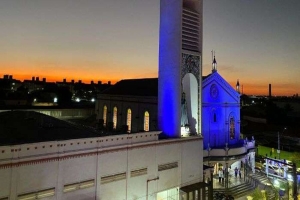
<point>289,173</point>
<point>272,169</point>
<point>290,163</point>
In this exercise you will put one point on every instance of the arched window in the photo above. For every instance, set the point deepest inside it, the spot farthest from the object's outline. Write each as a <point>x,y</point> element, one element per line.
<point>104,115</point>
<point>146,121</point>
<point>213,115</point>
<point>115,117</point>
<point>129,119</point>
<point>231,128</point>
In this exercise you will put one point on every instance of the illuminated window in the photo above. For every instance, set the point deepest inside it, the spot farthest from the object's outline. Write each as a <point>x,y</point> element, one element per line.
<point>146,121</point>
<point>115,117</point>
<point>231,128</point>
<point>104,115</point>
<point>129,119</point>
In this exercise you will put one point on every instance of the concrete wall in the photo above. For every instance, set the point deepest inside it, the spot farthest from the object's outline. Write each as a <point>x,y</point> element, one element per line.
<point>30,168</point>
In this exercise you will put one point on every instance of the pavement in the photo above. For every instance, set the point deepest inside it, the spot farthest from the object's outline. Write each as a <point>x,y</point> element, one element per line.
<point>233,181</point>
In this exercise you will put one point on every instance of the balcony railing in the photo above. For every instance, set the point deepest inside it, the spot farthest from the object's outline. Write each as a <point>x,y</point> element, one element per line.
<point>242,147</point>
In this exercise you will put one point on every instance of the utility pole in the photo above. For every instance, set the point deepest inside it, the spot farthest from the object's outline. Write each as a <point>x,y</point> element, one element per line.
<point>295,189</point>
<point>278,148</point>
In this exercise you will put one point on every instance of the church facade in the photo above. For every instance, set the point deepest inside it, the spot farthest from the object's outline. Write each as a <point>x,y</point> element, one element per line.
<point>221,112</point>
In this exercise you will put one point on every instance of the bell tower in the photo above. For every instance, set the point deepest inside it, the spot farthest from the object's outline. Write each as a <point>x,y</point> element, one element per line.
<point>180,65</point>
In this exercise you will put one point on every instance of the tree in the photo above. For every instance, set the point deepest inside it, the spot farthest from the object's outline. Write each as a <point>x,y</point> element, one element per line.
<point>256,194</point>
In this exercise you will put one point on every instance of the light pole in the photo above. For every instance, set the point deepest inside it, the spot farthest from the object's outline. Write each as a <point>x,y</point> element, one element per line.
<point>278,149</point>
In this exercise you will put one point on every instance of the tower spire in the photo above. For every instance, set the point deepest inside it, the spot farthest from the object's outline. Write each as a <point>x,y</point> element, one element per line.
<point>214,62</point>
<point>238,86</point>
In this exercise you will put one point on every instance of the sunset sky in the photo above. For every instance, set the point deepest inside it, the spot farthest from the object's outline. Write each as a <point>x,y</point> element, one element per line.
<point>256,41</point>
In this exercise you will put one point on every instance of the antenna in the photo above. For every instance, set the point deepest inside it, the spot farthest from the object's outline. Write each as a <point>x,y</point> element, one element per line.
<point>212,56</point>
<point>242,89</point>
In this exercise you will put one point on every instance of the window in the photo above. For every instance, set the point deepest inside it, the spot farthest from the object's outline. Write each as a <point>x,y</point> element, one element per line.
<point>129,119</point>
<point>38,194</point>
<point>146,121</point>
<point>80,185</point>
<point>104,115</point>
<point>138,172</point>
<point>167,166</point>
<point>113,178</point>
<point>115,116</point>
<point>231,128</point>
<point>213,115</point>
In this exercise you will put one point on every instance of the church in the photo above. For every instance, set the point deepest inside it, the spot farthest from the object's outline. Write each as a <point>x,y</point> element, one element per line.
<point>156,137</point>
<point>132,106</point>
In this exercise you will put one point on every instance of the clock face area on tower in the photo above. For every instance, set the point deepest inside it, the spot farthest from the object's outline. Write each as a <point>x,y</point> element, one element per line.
<point>214,92</point>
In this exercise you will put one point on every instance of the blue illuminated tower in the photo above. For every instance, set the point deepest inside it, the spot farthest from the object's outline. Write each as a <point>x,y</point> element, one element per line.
<point>180,65</point>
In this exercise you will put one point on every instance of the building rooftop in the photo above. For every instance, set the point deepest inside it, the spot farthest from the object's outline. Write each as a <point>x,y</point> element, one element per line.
<point>136,87</point>
<point>19,127</point>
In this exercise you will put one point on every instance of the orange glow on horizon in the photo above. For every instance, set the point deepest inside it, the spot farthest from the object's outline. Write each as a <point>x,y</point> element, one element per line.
<point>76,72</point>
<point>263,90</point>
<point>86,80</point>
<point>246,88</point>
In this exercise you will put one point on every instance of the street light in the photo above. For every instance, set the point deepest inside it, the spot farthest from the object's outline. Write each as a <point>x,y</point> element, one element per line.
<point>278,149</point>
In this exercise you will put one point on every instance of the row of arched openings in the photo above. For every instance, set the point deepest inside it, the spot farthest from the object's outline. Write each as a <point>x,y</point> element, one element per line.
<point>128,118</point>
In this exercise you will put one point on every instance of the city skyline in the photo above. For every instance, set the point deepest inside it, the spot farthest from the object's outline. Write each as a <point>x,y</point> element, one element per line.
<point>255,41</point>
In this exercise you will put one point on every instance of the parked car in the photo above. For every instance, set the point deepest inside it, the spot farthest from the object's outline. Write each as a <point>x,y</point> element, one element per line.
<point>289,173</point>
<point>272,170</point>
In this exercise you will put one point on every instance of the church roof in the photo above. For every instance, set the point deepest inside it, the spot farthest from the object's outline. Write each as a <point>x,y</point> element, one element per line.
<point>20,127</point>
<point>216,77</point>
<point>136,87</point>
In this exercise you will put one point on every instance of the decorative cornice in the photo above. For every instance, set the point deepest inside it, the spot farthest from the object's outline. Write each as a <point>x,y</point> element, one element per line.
<point>97,151</point>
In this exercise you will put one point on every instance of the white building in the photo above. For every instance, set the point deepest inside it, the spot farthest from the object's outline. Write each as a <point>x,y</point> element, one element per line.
<point>42,159</point>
